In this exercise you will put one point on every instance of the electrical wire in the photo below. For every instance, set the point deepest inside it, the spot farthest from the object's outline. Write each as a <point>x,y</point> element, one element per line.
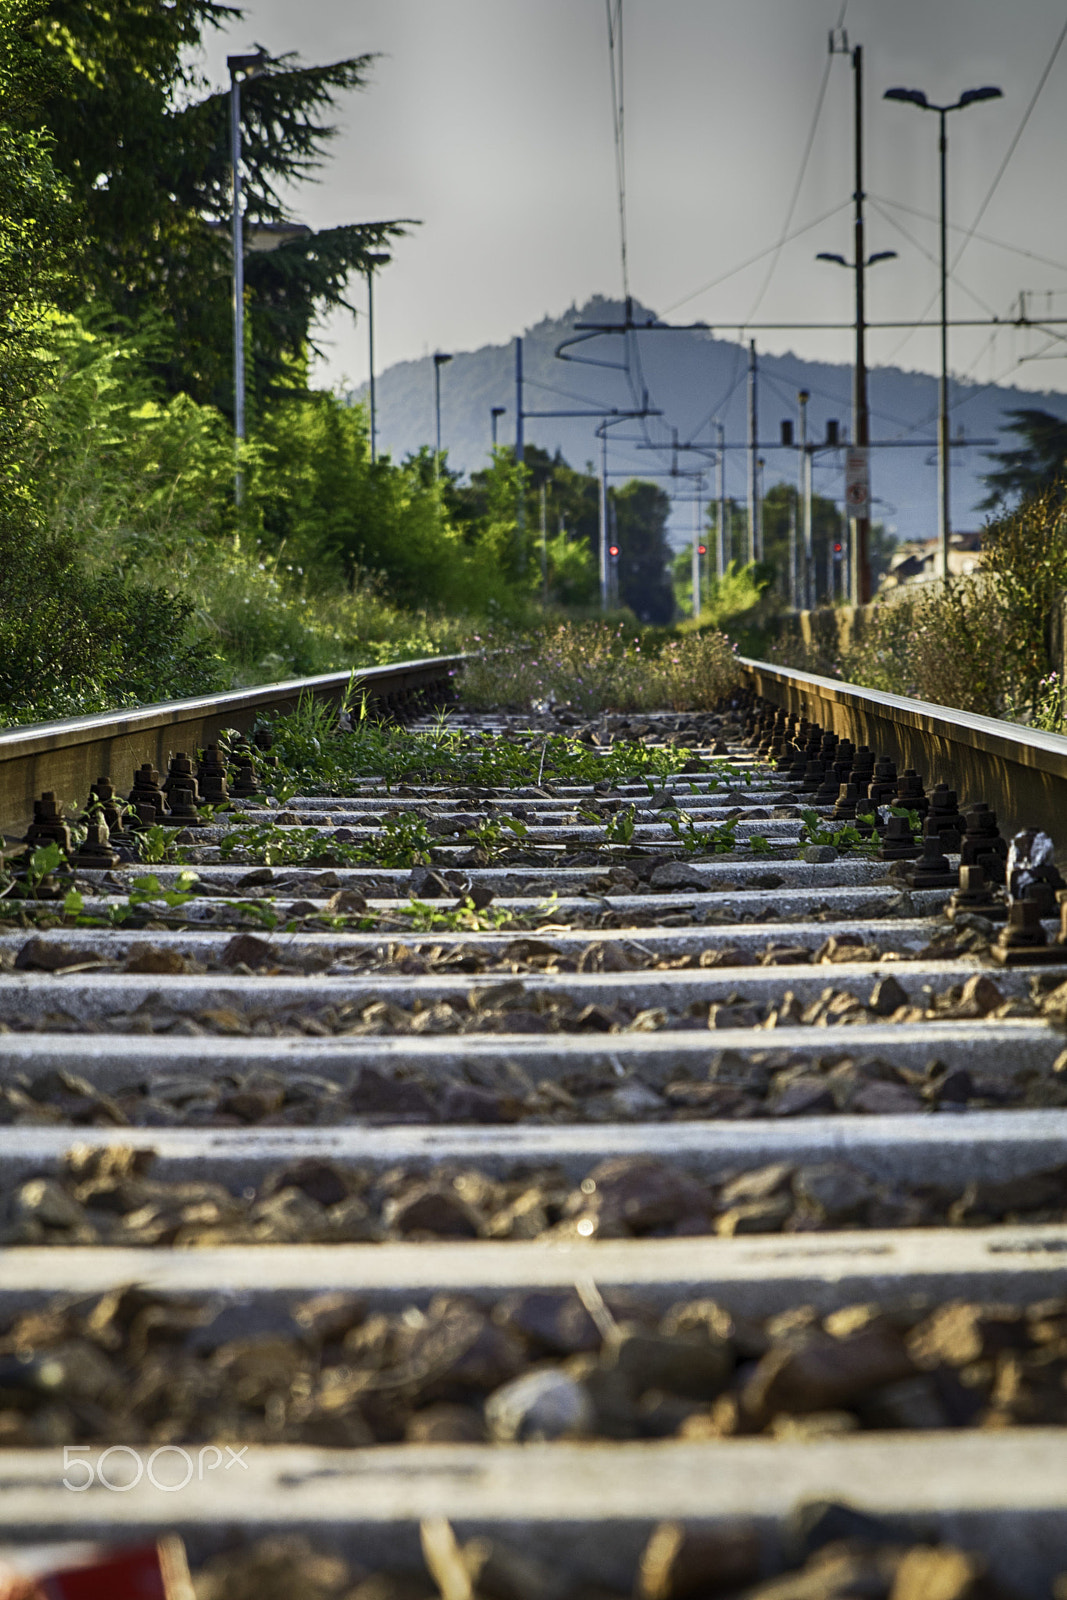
<point>1050,63</point>
<point>759,256</point>
<point>615,62</point>
<point>805,158</point>
<point>917,244</point>
<point>957,227</point>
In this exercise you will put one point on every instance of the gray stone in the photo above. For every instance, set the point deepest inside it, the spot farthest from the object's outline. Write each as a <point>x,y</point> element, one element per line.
<point>817,854</point>
<point>542,1404</point>
<point>677,875</point>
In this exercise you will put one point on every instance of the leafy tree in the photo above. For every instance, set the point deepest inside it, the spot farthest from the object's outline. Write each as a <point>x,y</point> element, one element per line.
<point>146,156</point>
<point>1033,465</point>
<point>828,528</point>
<point>641,512</point>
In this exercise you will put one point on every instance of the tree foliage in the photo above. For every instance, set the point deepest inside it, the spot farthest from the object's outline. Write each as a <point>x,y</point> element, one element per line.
<point>1034,465</point>
<point>146,155</point>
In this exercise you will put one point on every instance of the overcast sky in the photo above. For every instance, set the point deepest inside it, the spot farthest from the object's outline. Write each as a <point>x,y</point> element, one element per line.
<point>490,121</point>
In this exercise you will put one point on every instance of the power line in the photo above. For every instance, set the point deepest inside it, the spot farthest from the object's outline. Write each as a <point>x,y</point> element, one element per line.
<point>957,227</point>
<point>805,158</point>
<point>759,256</point>
<point>917,244</point>
<point>1012,146</point>
<point>615,62</point>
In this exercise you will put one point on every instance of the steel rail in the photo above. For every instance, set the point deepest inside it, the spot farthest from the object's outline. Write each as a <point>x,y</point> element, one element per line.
<point>1021,772</point>
<point>69,755</point>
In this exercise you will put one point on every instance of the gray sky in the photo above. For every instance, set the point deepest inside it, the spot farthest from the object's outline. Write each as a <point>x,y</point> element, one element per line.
<point>490,120</point>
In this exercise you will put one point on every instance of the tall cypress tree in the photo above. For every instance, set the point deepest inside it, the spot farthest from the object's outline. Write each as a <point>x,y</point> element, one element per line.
<point>146,155</point>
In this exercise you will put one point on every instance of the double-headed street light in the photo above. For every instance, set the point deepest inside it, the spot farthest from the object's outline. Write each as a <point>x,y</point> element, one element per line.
<point>969,97</point>
<point>240,68</point>
<point>860,514</point>
<point>372,260</point>
<point>439,360</point>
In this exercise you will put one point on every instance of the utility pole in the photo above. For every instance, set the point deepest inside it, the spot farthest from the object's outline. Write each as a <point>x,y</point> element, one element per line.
<point>544,544</point>
<point>696,558</point>
<point>857,475</point>
<point>722,558</point>
<point>793,508</point>
<point>807,595</point>
<point>373,260</point>
<point>440,359</point>
<point>603,518</point>
<point>755,543</point>
<point>248,66</point>
<point>859,551</point>
<point>520,442</point>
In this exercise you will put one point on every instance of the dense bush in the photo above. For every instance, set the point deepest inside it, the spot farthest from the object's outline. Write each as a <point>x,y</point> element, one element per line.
<point>981,643</point>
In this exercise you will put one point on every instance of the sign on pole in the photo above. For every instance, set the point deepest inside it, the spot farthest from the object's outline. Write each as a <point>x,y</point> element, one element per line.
<point>857,483</point>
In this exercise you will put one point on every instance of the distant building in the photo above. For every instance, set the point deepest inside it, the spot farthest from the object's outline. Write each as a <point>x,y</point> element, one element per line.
<point>916,560</point>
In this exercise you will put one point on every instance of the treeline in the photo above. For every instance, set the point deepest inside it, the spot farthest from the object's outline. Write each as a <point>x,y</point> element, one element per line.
<point>127,572</point>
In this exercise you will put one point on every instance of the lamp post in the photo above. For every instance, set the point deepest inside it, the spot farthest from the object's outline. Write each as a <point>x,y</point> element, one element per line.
<point>240,67</point>
<point>495,413</point>
<point>859,565</point>
<point>969,97</point>
<point>439,361</point>
<point>373,260</point>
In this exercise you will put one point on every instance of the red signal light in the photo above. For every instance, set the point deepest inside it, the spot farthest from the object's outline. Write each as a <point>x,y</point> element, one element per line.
<point>838,549</point>
<point>613,549</point>
<point>702,549</point>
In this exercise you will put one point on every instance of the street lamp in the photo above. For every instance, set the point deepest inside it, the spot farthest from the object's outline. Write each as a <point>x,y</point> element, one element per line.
<point>439,361</point>
<point>495,413</point>
<point>371,260</point>
<point>240,68</point>
<point>860,564</point>
<point>969,97</point>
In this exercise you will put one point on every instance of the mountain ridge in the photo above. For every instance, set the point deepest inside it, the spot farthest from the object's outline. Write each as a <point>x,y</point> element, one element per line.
<point>694,377</point>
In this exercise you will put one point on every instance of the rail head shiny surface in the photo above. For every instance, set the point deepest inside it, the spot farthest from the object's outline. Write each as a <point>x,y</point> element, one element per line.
<point>35,737</point>
<point>1029,746</point>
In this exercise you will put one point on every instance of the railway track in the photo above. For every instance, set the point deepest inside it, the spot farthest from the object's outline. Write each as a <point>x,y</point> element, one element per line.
<point>598,1166</point>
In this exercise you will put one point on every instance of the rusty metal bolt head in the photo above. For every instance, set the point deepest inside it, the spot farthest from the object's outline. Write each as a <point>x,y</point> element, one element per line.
<point>981,821</point>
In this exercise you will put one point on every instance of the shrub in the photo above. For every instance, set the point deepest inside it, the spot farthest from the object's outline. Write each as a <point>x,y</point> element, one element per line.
<point>595,666</point>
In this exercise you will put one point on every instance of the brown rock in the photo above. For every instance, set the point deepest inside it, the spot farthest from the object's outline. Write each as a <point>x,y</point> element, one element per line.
<point>465,1102</point>
<point>759,1216</point>
<point>156,960</point>
<point>398,1099</point>
<point>445,1424</point>
<point>499,1572</point>
<point>833,1191</point>
<point>963,1332</point>
<point>632,1195</point>
<point>824,1373</point>
<point>886,997</point>
<point>885,1099</point>
<point>680,1562</point>
<point>697,1366</point>
<point>321,1181</point>
<point>346,903</point>
<point>552,1322</point>
<point>803,1097</point>
<point>457,1350</point>
<point>244,949</point>
<point>46,955</point>
<point>759,1183</point>
<point>435,1208</point>
<point>938,1574</point>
